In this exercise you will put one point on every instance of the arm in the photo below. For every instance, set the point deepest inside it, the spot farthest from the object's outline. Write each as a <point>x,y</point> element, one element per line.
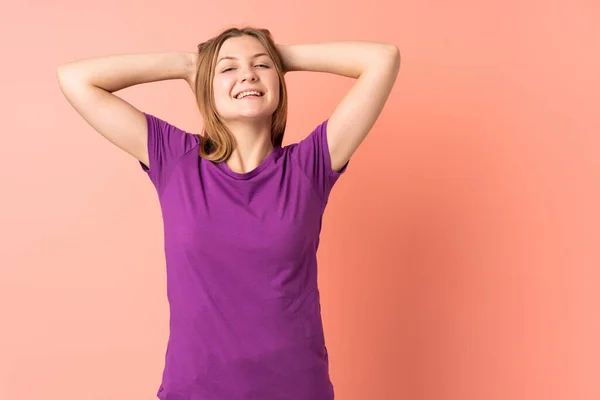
<point>88,86</point>
<point>374,66</point>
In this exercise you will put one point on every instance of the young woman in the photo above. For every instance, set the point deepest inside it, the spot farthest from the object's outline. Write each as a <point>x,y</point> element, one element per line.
<point>242,214</point>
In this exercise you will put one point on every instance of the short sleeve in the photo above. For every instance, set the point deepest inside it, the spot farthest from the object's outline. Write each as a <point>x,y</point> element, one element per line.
<point>166,145</point>
<point>312,154</point>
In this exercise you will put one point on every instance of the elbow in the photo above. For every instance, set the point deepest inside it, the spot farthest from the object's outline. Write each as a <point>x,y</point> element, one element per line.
<point>69,73</point>
<point>394,53</point>
<point>389,58</point>
<point>393,57</point>
<point>62,72</point>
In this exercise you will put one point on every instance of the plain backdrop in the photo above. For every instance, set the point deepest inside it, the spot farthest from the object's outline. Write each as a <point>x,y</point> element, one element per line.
<point>460,252</point>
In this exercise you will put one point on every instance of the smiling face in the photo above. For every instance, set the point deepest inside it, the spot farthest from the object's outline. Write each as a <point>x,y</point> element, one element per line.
<point>243,65</point>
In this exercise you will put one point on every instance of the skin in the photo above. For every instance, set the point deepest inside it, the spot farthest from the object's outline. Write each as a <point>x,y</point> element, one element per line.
<point>374,66</point>
<point>248,119</point>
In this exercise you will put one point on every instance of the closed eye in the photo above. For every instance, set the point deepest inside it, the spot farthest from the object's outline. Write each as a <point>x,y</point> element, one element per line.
<point>258,65</point>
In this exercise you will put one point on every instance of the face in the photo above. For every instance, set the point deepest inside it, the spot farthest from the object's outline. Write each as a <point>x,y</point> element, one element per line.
<point>243,65</point>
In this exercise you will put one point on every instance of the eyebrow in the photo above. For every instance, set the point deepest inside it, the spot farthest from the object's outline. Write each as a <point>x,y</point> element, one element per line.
<point>235,58</point>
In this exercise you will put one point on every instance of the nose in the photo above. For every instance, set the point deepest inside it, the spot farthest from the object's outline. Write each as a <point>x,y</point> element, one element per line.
<point>249,75</point>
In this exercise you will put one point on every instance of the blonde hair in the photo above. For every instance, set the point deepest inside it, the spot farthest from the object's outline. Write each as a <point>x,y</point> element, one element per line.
<point>217,141</point>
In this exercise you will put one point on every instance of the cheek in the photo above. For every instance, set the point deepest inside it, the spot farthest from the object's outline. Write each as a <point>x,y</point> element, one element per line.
<point>223,84</point>
<point>221,92</point>
<point>274,86</point>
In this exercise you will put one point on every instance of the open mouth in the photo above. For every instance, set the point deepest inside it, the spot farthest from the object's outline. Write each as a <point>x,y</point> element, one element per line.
<point>249,94</point>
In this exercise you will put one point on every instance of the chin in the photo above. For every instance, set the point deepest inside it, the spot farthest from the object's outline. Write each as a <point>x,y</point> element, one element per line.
<point>253,114</point>
<point>235,113</point>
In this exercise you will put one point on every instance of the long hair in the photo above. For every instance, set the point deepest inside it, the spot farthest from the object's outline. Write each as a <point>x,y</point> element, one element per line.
<point>217,142</point>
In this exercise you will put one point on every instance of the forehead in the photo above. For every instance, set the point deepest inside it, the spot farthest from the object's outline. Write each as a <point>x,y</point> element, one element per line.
<point>241,47</point>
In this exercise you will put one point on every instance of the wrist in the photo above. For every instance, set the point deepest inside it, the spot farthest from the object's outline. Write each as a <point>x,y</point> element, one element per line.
<point>282,50</point>
<point>190,64</point>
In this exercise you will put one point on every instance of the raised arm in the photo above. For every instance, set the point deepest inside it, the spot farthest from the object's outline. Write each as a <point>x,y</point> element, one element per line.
<point>89,84</point>
<point>375,67</point>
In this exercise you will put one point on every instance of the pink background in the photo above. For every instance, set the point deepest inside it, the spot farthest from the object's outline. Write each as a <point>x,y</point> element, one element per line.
<point>460,253</point>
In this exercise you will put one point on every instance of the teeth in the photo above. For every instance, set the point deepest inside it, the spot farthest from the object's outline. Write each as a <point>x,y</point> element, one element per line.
<point>244,94</point>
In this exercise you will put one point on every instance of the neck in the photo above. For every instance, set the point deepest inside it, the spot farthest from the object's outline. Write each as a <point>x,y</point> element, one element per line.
<point>253,145</point>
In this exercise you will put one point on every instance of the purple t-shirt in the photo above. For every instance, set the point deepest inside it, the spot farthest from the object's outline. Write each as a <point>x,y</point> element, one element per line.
<point>240,249</point>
